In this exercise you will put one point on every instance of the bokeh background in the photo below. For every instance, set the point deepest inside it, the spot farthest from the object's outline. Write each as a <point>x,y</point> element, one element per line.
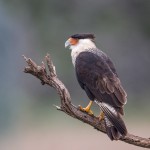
<point>28,119</point>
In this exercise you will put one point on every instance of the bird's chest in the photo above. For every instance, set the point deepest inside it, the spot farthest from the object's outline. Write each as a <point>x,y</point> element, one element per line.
<point>74,54</point>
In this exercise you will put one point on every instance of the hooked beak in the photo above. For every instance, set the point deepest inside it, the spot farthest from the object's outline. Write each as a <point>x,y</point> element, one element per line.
<point>67,43</point>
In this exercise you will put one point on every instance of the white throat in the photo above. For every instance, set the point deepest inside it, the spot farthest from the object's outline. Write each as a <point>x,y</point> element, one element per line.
<point>83,45</point>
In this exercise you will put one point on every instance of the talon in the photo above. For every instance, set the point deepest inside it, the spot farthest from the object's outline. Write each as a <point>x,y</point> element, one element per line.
<point>101,116</point>
<point>87,109</point>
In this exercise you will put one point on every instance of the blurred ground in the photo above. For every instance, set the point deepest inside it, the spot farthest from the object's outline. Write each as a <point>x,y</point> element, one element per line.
<point>67,135</point>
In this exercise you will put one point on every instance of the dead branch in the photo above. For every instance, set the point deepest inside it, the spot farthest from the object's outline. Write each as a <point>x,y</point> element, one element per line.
<point>66,106</point>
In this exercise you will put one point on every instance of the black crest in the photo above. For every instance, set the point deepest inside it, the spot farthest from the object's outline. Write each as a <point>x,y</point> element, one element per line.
<point>83,36</point>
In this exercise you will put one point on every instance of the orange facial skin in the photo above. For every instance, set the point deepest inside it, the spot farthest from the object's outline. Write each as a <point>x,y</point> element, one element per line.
<point>73,41</point>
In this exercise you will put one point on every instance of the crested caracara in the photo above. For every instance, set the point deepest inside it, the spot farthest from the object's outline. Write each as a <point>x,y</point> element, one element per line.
<point>97,76</point>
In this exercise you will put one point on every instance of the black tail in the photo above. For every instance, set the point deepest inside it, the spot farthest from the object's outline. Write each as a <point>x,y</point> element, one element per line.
<point>115,126</point>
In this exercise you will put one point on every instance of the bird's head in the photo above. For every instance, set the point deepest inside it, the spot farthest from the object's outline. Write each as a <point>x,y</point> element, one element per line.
<point>80,40</point>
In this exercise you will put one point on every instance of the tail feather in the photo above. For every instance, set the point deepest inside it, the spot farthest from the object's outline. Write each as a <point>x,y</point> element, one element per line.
<point>115,119</point>
<point>112,132</point>
<point>115,126</point>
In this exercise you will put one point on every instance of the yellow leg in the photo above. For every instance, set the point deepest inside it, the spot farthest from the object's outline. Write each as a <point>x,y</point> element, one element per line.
<point>101,116</point>
<point>87,108</point>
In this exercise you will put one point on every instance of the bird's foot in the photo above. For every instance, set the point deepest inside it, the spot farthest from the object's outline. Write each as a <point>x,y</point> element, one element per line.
<point>101,116</point>
<point>86,109</point>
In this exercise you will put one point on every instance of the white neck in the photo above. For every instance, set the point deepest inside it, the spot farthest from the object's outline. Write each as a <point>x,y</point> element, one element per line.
<point>81,46</point>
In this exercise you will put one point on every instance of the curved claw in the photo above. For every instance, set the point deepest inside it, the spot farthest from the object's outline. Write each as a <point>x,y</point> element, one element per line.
<point>101,116</point>
<point>86,109</point>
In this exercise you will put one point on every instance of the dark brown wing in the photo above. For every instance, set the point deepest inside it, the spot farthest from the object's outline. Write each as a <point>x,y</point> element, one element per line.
<point>97,75</point>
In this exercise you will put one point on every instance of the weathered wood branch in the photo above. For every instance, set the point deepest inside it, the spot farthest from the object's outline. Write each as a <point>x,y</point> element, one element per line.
<point>49,77</point>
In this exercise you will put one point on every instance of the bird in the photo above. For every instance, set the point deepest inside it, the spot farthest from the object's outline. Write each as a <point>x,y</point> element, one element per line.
<point>97,76</point>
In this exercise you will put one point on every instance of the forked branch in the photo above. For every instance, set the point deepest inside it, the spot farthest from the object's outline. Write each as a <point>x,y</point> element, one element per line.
<point>49,77</point>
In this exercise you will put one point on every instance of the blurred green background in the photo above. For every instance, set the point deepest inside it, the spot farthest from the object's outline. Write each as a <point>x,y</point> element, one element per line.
<point>28,119</point>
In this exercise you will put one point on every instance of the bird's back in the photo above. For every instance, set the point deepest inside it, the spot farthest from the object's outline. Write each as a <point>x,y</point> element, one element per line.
<point>97,73</point>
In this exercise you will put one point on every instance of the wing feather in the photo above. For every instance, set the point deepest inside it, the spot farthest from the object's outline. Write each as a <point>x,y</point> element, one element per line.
<point>98,74</point>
